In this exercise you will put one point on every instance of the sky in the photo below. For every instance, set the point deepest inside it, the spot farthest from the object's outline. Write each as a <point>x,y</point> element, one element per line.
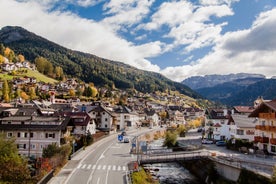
<point>177,38</point>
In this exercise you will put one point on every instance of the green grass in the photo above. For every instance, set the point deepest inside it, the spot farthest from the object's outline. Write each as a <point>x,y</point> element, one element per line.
<point>30,73</point>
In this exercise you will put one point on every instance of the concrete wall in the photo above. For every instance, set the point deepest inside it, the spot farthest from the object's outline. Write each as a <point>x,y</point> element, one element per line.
<point>230,173</point>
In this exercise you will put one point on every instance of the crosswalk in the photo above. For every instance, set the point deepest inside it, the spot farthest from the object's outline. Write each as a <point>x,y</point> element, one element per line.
<point>102,167</point>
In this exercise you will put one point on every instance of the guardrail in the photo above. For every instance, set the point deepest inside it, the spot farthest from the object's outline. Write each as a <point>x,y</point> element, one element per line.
<point>160,157</point>
<point>171,156</point>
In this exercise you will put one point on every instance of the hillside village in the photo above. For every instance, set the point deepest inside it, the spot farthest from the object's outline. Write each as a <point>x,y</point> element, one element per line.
<point>37,122</point>
<point>73,116</point>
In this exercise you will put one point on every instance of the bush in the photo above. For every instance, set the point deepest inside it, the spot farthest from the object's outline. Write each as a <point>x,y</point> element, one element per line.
<point>170,139</point>
<point>142,177</point>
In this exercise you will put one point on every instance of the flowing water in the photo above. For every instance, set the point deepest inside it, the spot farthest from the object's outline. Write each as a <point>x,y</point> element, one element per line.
<point>169,173</point>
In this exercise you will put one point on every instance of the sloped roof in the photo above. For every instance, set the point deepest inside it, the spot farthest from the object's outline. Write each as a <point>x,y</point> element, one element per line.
<point>216,114</point>
<point>244,109</point>
<point>263,108</point>
<point>243,121</point>
<point>217,125</point>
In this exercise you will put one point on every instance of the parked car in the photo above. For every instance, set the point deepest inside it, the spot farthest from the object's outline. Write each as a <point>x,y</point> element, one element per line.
<point>220,143</point>
<point>207,141</point>
<point>123,133</point>
<point>126,140</point>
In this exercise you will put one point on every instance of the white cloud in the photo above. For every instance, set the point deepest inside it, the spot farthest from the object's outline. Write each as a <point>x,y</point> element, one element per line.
<point>217,2</point>
<point>170,14</point>
<point>261,36</point>
<point>76,33</point>
<point>125,12</point>
<point>251,51</point>
<point>85,3</point>
<point>189,24</point>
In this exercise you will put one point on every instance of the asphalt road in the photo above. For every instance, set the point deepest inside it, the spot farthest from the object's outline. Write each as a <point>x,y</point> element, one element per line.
<point>104,162</point>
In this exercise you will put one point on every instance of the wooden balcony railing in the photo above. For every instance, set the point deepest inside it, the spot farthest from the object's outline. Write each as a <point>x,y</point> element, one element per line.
<point>261,139</point>
<point>273,141</point>
<point>272,128</point>
<point>267,115</point>
<point>262,127</point>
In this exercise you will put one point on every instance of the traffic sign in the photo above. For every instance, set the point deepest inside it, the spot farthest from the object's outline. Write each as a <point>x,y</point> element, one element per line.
<point>120,137</point>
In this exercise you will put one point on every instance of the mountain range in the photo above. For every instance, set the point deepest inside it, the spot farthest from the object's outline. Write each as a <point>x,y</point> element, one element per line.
<point>88,67</point>
<point>233,89</point>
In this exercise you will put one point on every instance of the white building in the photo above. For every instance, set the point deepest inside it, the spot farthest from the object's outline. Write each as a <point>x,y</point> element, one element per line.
<point>242,127</point>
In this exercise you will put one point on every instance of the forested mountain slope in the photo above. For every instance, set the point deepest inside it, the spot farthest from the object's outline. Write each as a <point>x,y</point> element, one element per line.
<point>88,67</point>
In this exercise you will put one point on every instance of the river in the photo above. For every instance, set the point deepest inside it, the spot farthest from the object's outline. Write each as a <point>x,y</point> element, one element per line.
<point>169,173</point>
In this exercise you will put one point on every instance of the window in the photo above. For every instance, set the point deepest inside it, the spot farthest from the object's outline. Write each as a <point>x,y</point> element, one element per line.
<point>25,134</point>
<point>105,126</point>
<point>31,134</point>
<point>32,146</point>
<point>240,132</point>
<point>21,146</point>
<point>78,120</point>
<point>105,119</point>
<point>18,134</point>
<point>22,122</point>
<point>273,149</point>
<point>50,135</point>
<point>9,134</point>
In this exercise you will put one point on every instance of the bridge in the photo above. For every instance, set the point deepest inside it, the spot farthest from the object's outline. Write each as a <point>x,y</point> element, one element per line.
<point>226,164</point>
<point>152,156</point>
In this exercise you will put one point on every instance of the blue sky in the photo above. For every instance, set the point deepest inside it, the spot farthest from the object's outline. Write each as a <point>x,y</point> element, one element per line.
<point>177,38</point>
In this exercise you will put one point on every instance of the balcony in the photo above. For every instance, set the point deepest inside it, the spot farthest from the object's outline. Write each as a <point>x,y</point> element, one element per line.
<point>261,139</point>
<point>272,128</point>
<point>273,141</point>
<point>267,115</point>
<point>262,127</point>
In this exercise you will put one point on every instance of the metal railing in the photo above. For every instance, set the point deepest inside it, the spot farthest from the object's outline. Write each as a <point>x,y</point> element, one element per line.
<point>166,156</point>
<point>151,156</point>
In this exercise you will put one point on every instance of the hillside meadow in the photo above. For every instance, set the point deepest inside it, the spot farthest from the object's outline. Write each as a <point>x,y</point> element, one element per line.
<point>29,73</point>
